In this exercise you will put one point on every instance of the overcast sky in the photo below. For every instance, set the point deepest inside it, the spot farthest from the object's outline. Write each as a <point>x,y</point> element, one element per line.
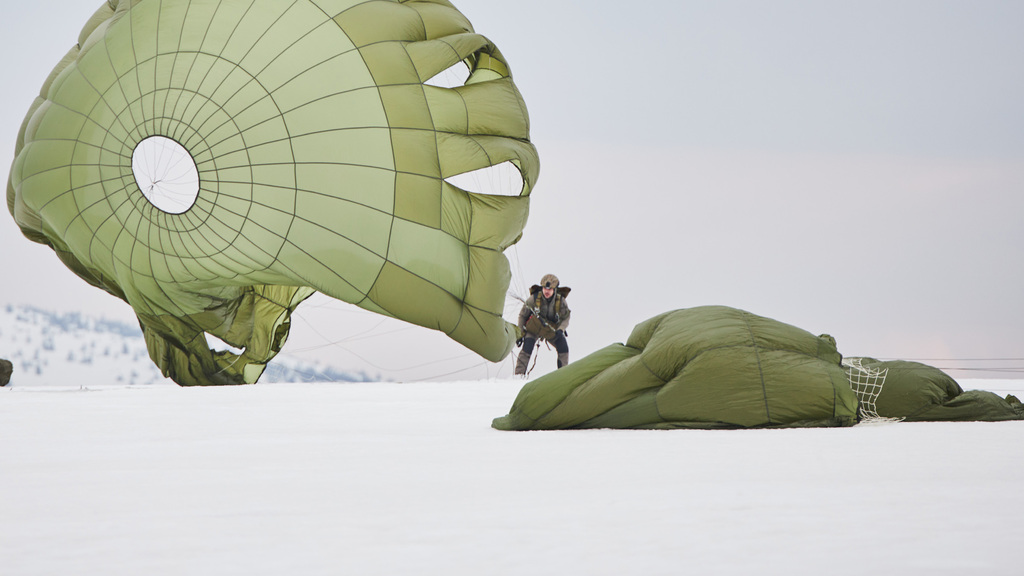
<point>855,168</point>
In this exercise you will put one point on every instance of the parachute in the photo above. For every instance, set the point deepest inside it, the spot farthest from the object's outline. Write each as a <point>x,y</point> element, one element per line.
<point>708,367</point>
<point>916,392</point>
<point>215,163</point>
<point>717,367</point>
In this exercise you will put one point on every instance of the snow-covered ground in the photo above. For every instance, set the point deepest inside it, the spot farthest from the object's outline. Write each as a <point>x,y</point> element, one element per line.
<point>392,478</point>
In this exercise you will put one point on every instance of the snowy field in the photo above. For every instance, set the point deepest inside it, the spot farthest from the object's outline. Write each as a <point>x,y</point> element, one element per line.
<point>391,478</point>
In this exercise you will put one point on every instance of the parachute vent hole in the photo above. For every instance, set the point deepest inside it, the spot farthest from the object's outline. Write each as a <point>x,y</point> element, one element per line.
<point>452,77</point>
<point>504,179</point>
<point>166,174</point>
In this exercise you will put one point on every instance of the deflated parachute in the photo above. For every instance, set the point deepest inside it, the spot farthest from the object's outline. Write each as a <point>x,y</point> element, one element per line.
<point>213,163</point>
<point>708,367</point>
<point>718,367</point>
<point>916,392</point>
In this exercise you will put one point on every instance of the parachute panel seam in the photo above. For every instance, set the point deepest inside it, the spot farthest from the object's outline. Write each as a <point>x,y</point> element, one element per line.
<point>760,368</point>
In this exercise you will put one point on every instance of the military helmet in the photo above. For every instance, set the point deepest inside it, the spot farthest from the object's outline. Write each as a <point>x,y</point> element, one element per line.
<point>549,281</point>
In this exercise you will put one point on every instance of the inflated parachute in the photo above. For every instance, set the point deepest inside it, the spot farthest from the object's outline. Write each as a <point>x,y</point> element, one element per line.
<point>214,162</point>
<point>707,367</point>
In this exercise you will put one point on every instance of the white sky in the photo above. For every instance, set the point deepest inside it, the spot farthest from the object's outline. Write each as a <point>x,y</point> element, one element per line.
<point>855,168</point>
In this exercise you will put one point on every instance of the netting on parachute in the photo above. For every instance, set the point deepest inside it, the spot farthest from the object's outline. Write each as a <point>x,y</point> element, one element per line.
<point>867,384</point>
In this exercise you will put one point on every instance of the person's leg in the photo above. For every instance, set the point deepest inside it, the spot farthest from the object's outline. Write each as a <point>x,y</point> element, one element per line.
<point>562,347</point>
<point>523,360</point>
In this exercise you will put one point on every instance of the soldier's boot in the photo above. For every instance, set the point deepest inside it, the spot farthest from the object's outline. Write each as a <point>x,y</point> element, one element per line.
<point>563,359</point>
<point>522,361</point>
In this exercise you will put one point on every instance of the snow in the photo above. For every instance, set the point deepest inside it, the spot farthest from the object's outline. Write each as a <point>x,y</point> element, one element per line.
<point>400,478</point>
<point>48,348</point>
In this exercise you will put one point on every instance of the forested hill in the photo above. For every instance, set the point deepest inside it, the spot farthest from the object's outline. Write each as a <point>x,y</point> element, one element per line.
<point>74,349</point>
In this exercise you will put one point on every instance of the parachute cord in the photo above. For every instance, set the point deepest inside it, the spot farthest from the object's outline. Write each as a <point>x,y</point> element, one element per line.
<point>365,335</point>
<point>1008,365</point>
<point>234,360</point>
<point>373,332</point>
<point>447,374</point>
<point>534,354</point>
<point>329,342</point>
<point>517,277</point>
<point>382,368</point>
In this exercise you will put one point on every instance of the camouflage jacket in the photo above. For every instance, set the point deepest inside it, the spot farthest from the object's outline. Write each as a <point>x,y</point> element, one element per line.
<point>554,314</point>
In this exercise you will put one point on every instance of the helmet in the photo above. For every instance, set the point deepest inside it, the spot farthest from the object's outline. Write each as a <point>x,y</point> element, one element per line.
<point>549,281</point>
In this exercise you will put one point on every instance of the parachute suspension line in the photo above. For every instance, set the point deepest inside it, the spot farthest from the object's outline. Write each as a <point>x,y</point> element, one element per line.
<point>955,359</point>
<point>502,179</point>
<point>364,335</point>
<point>1002,365</point>
<point>517,287</point>
<point>217,345</point>
<point>451,77</point>
<point>328,341</point>
<point>445,375</point>
<point>438,361</point>
<point>867,384</point>
<point>534,355</point>
<point>339,345</point>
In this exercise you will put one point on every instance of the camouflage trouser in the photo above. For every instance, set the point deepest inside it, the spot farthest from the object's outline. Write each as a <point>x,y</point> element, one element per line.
<point>530,342</point>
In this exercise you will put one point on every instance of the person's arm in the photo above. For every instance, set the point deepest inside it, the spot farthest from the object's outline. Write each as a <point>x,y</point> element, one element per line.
<point>524,315</point>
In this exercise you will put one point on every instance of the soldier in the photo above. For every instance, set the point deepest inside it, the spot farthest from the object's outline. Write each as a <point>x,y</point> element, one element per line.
<point>544,316</point>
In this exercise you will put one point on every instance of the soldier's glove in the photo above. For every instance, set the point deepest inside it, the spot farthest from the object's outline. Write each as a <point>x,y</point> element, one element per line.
<point>519,342</point>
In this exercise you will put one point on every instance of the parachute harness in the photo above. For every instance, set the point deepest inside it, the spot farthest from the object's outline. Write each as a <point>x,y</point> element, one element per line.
<point>535,312</point>
<point>537,302</point>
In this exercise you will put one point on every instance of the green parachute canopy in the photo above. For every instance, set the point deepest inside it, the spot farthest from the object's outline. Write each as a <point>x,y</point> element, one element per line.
<point>719,367</point>
<point>214,163</point>
<point>707,367</point>
<point>916,392</point>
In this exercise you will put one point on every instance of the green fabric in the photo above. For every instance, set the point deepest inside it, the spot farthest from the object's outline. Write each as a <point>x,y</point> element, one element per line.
<point>707,367</point>
<point>321,156</point>
<point>918,392</point>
